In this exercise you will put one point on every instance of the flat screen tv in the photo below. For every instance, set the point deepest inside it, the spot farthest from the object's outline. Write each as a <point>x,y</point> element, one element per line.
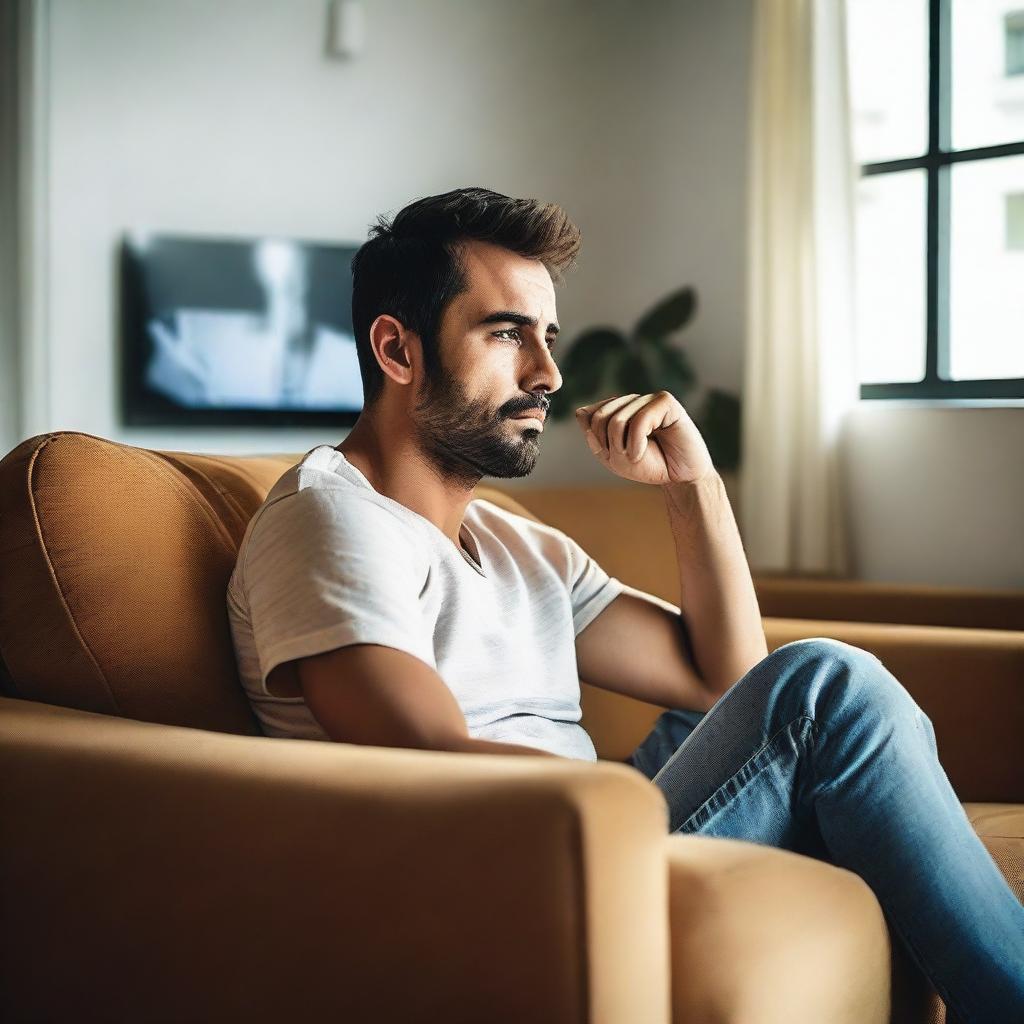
<point>251,332</point>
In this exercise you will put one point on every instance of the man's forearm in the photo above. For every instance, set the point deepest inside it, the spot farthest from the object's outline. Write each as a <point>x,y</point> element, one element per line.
<point>469,745</point>
<point>717,598</point>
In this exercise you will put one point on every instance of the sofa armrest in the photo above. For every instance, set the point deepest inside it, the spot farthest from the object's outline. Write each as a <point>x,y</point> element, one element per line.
<point>970,683</point>
<point>152,872</point>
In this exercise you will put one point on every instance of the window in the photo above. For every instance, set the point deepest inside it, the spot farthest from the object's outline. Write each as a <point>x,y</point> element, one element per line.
<point>937,94</point>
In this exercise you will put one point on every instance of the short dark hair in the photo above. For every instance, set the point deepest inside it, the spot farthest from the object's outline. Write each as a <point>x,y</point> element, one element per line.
<point>411,267</point>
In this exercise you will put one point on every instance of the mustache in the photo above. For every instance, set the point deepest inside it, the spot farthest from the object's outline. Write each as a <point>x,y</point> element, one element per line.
<point>541,406</point>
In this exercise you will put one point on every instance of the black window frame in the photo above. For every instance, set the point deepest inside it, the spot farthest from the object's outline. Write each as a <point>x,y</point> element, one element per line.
<point>936,162</point>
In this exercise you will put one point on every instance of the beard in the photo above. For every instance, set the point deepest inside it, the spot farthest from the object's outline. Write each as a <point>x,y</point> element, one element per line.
<point>465,440</point>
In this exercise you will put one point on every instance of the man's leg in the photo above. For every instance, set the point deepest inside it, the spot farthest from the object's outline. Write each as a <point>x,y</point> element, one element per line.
<point>820,750</point>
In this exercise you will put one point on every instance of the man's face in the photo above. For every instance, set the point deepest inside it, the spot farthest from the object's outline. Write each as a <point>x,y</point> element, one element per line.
<point>492,369</point>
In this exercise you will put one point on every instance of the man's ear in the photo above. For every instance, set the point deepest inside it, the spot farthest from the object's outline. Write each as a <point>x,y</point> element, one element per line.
<point>395,348</point>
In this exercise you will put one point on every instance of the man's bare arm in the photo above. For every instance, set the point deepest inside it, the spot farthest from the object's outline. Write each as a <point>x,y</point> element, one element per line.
<point>380,696</point>
<point>717,597</point>
<point>650,439</point>
<point>474,746</point>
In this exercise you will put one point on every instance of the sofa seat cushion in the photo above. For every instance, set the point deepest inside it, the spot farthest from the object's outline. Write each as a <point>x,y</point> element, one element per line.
<point>738,902</point>
<point>733,902</point>
<point>1001,827</point>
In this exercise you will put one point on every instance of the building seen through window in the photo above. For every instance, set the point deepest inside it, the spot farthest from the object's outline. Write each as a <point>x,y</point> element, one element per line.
<point>1014,28</point>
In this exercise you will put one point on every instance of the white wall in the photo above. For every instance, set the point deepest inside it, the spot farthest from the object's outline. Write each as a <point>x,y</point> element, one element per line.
<point>936,493</point>
<point>229,118</point>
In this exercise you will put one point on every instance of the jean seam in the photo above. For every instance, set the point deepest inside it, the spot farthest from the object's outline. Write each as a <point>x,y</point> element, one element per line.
<point>914,952</point>
<point>817,734</point>
<point>919,961</point>
<point>720,797</point>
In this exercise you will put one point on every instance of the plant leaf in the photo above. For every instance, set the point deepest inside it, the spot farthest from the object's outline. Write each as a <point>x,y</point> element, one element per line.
<point>668,315</point>
<point>591,358</point>
<point>565,401</point>
<point>588,357</point>
<point>674,366</point>
<point>633,375</point>
<point>719,425</point>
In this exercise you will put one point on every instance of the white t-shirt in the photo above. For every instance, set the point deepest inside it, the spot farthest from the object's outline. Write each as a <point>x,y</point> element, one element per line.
<point>328,561</point>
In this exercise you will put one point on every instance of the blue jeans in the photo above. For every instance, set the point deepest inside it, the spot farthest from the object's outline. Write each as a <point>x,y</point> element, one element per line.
<point>818,749</point>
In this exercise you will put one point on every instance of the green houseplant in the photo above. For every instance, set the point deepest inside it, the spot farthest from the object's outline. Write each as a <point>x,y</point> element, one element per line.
<point>605,361</point>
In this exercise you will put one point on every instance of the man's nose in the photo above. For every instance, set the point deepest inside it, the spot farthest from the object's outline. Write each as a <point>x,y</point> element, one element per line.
<point>546,373</point>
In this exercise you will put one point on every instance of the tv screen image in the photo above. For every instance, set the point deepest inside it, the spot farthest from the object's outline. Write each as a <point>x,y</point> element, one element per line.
<point>241,331</point>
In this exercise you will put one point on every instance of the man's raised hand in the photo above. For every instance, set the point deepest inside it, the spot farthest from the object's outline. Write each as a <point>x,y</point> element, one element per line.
<point>649,439</point>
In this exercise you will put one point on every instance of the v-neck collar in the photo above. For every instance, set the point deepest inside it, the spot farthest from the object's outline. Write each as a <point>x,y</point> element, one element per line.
<point>471,557</point>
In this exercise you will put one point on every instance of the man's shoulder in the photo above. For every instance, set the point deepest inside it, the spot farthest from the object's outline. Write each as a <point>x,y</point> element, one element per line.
<point>314,500</point>
<point>489,512</point>
<point>311,504</point>
<point>525,539</point>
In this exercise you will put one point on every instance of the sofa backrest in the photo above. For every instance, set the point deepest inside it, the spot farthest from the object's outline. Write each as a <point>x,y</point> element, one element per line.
<point>114,562</point>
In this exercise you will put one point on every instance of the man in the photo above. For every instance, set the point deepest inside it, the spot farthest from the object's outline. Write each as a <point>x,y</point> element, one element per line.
<point>375,601</point>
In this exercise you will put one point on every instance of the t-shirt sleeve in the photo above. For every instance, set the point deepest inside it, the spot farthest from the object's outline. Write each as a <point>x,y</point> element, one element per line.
<point>324,569</point>
<point>591,588</point>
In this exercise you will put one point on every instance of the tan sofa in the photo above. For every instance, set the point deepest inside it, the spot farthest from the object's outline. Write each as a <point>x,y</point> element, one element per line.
<point>597,513</point>
<point>163,861</point>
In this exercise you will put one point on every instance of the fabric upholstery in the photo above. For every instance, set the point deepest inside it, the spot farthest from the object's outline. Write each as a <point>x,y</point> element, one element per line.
<point>162,874</point>
<point>813,951</point>
<point>594,515</point>
<point>115,561</point>
<point>789,597</point>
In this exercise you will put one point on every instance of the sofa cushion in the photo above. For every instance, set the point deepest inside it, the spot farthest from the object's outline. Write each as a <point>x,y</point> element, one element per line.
<point>116,561</point>
<point>811,937</point>
<point>1001,827</point>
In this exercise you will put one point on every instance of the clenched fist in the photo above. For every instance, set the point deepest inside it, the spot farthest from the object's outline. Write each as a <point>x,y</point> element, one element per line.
<point>649,439</point>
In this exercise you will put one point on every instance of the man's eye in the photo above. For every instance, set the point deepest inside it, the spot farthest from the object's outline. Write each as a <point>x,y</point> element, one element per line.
<point>515,331</point>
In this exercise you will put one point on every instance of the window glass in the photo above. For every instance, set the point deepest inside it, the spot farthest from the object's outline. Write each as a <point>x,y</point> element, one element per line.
<point>888,78</point>
<point>988,72</point>
<point>891,283</point>
<point>986,338</point>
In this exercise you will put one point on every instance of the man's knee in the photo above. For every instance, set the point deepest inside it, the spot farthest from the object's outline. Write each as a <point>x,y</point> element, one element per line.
<point>834,668</point>
<point>824,648</point>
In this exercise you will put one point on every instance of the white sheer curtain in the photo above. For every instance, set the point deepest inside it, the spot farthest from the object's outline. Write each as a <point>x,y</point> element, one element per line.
<point>800,372</point>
